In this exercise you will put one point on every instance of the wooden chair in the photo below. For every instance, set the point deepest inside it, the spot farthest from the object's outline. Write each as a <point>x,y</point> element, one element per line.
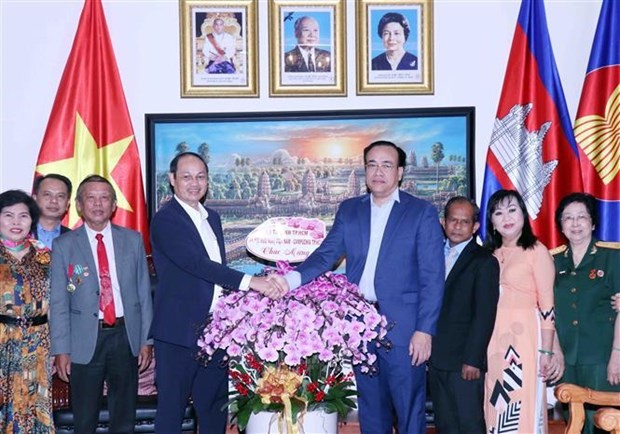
<point>608,419</point>
<point>576,396</point>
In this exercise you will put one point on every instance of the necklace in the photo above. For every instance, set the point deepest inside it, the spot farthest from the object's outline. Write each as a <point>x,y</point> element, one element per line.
<point>14,246</point>
<point>505,258</point>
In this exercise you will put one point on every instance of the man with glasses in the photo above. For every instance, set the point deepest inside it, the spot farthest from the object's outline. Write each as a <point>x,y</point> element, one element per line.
<point>393,245</point>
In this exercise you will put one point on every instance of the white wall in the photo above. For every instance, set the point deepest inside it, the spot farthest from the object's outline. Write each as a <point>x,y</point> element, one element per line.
<point>472,43</point>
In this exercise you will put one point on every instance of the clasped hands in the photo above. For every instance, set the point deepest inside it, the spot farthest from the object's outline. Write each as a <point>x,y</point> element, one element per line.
<point>273,286</point>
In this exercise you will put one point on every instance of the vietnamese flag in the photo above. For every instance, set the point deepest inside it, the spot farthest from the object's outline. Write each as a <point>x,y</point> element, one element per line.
<point>532,147</point>
<point>597,127</point>
<point>89,130</point>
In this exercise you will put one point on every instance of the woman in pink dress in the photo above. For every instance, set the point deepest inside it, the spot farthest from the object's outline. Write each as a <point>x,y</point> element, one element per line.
<point>519,354</point>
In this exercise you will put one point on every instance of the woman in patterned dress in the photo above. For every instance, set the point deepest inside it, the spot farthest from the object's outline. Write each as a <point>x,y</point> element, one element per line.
<point>519,354</point>
<point>25,395</point>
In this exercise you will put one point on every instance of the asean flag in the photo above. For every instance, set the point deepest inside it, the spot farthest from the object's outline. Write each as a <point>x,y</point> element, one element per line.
<point>597,127</point>
<point>532,147</point>
<point>89,130</point>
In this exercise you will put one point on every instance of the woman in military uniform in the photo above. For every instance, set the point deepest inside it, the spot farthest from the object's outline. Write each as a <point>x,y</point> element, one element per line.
<point>587,276</point>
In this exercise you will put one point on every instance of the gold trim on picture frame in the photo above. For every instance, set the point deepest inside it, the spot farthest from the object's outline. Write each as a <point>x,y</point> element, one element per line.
<point>243,82</point>
<point>371,81</point>
<point>319,83</point>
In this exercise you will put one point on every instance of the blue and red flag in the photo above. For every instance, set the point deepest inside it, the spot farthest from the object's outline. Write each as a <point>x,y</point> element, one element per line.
<point>597,127</point>
<point>532,147</point>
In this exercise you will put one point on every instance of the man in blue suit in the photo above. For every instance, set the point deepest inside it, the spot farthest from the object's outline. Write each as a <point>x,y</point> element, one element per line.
<point>393,245</point>
<point>189,256</point>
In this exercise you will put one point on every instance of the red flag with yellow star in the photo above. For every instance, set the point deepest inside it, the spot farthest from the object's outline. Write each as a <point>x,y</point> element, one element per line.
<point>89,130</point>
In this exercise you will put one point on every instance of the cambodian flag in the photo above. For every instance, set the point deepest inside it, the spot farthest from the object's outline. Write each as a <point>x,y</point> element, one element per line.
<point>597,127</point>
<point>532,147</point>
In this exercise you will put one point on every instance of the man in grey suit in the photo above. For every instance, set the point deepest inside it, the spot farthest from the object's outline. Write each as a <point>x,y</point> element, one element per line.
<point>100,310</point>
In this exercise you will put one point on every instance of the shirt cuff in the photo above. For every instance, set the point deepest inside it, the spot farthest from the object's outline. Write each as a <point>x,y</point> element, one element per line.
<point>293,278</point>
<point>245,282</point>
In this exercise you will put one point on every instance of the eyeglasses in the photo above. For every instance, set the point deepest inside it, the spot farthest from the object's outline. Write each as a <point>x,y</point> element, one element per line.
<point>384,166</point>
<point>581,218</point>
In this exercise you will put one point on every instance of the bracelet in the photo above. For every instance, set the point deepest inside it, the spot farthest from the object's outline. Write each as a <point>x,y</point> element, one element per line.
<point>615,348</point>
<point>550,353</point>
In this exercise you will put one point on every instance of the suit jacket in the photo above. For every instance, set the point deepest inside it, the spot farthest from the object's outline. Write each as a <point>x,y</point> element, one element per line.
<point>186,275</point>
<point>408,62</point>
<point>74,315</point>
<point>409,277</point>
<point>294,61</point>
<point>468,312</point>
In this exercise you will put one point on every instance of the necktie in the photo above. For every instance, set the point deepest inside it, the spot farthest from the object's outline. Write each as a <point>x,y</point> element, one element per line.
<point>106,300</point>
<point>311,67</point>
<point>450,259</point>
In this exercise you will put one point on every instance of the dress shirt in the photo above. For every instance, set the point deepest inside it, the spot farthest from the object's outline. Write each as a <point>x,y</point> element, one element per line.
<point>47,237</point>
<point>379,215</point>
<point>459,248</point>
<point>109,250</point>
<point>209,240</point>
<point>307,54</point>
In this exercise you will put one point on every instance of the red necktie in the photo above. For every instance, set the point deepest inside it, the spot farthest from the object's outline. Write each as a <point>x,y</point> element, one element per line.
<point>106,301</point>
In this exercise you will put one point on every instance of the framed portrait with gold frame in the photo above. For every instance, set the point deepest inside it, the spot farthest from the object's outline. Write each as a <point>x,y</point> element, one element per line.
<point>219,48</point>
<point>306,47</point>
<point>395,47</point>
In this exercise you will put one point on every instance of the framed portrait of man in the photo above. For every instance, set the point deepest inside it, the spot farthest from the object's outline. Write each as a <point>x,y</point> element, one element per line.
<point>395,46</point>
<point>218,48</point>
<point>307,47</point>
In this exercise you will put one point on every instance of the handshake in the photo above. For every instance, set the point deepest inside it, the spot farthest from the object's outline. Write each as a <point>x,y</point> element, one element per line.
<point>273,286</point>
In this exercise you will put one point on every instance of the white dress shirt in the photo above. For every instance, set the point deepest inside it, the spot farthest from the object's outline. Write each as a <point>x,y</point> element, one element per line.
<point>379,215</point>
<point>209,240</point>
<point>108,241</point>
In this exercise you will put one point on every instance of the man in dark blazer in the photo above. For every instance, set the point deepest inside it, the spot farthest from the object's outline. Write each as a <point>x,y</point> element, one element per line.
<point>393,247</point>
<point>458,360</point>
<point>190,261</point>
<point>92,343</point>
<point>52,193</point>
<point>306,57</point>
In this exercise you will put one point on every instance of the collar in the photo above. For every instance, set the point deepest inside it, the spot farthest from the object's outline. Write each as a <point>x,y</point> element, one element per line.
<point>394,197</point>
<point>106,232</point>
<point>459,247</point>
<point>42,230</point>
<point>195,214</point>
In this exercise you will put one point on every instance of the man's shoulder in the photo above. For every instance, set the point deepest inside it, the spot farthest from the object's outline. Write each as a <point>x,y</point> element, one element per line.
<point>294,50</point>
<point>126,232</point>
<point>321,52</point>
<point>411,200</point>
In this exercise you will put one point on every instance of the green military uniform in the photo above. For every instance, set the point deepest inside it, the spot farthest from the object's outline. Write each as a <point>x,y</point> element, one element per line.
<point>584,318</point>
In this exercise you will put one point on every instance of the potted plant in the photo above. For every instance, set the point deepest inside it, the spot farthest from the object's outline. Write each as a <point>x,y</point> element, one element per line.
<point>287,356</point>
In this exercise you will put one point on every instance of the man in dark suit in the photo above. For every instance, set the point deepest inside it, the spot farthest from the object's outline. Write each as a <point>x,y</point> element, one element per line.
<point>100,310</point>
<point>306,57</point>
<point>52,193</point>
<point>458,360</point>
<point>393,247</point>
<point>189,256</point>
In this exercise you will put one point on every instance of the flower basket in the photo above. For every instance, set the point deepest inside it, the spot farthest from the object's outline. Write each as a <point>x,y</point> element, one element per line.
<point>286,356</point>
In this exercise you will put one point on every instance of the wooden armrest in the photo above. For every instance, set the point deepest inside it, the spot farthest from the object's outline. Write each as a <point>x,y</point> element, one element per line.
<point>608,419</point>
<point>576,396</point>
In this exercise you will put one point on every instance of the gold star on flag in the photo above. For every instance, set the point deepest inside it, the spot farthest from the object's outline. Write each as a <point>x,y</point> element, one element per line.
<point>88,158</point>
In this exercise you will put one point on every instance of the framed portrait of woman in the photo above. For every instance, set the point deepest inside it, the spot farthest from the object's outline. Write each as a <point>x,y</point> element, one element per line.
<point>306,47</point>
<point>395,47</point>
<point>218,48</point>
